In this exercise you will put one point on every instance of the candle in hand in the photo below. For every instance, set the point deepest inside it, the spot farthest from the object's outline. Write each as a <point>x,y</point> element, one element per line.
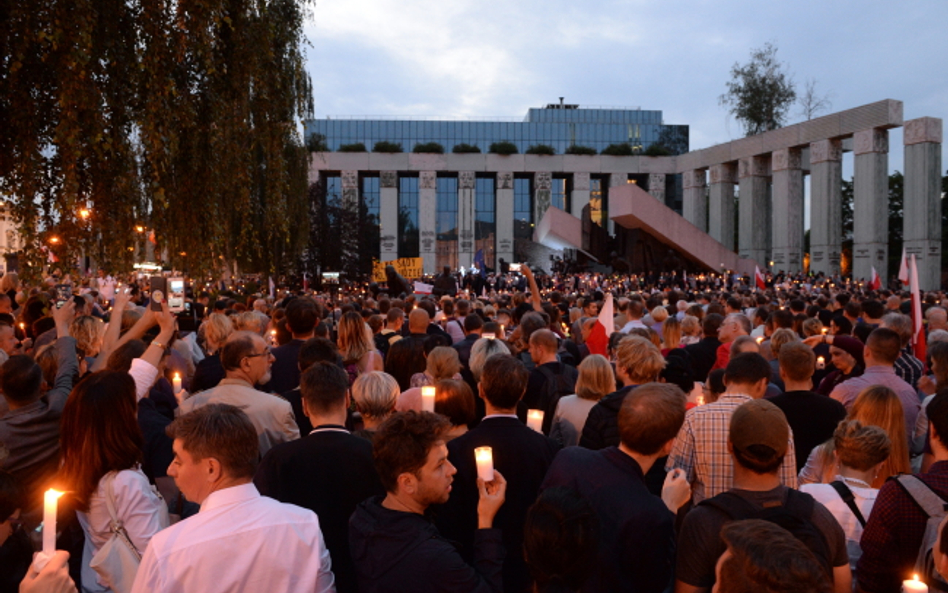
<point>50,502</point>
<point>820,363</point>
<point>535,419</point>
<point>428,398</point>
<point>176,383</point>
<point>760,339</point>
<point>484,457</point>
<point>914,586</point>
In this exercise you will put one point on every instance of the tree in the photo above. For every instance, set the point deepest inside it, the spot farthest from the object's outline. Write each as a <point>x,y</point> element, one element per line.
<point>180,117</point>
<point>760,92</point>
<point>812,102</point>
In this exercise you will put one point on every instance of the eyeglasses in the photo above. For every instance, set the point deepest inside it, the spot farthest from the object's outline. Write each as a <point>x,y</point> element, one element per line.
<point>266,352</point>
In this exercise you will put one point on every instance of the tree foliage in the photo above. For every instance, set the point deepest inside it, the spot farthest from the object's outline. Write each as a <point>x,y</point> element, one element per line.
<point>760,92</point>
<point>181,117</point>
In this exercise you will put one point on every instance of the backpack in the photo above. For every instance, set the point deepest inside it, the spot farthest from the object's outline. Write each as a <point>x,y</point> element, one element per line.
<point>794,516</point>
<point>556,386</point>
<point>935,507</point>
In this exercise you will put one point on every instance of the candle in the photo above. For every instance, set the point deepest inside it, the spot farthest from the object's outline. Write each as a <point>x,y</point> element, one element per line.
<point>820,363</point>
<point>535,419</point>
<point>490,336</point>
<point>824,330</point>
<point>50,502</point>
<point>484,457</point>
<point>427,398</point>
<point>914,586</point>
<point>760,339</point>
<point>700,400</point>
<point>176,383</point>
<point>273,336</point>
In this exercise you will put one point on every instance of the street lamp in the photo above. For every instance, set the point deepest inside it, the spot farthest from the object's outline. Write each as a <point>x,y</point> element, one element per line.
<point>139,229</point>
<point>85,213</point>
<point>54,240</point>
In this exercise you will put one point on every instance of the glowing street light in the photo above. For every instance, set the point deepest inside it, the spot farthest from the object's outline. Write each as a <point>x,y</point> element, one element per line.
<point>54,240</point>
<point>139,229</point>
<point>85,213</point>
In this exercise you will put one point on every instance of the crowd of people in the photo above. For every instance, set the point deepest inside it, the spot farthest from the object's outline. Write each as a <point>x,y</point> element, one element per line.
<point>723,438</point>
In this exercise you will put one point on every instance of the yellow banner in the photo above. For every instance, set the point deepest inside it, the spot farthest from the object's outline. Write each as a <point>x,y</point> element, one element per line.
<point>409,267</point>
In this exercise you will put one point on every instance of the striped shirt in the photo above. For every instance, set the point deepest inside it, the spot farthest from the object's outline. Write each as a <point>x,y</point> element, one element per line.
<point>700,449</point>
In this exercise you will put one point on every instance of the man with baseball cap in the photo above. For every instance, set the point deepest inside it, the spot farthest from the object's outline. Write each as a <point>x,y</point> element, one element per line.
<point>758,439</point>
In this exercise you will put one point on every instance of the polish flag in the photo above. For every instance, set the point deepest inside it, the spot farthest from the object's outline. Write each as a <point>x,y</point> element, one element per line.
<point>904,269</point>
<point>598,340</point>
<point>759,279</point>
<point>875,283</point>
<point>918,329</point>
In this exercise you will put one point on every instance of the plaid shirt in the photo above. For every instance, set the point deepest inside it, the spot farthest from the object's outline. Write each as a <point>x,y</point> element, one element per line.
<point>701,449</point>
<point>909,368</point>
<point>894,533</point>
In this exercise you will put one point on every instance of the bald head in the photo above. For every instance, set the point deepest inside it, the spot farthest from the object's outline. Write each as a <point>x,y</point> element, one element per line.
<point>418,321</point>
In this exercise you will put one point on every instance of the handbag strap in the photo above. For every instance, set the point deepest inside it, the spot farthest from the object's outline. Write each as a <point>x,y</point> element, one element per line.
<point>847,495</point>
<point>116,525</point>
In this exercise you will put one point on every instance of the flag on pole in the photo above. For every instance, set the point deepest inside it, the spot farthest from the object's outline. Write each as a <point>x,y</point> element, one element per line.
<point>305,281</point>
<point>479,261</point>
<point>598,340</point>
<point>759,279</point>
<point>875,283</point>
<point>904,269</point>
<point>272,288</point>
<point>918,328</point>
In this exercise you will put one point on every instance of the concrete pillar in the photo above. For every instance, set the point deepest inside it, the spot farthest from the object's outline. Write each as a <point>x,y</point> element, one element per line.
<point>871,204</point>
<point>615,180</point>
<point>826,206</point>
<point>656,186</point>
<point>465,218</point>
<point>504,217</point>
<point>921,229</point>
<point>542,194</point>
<point>580,194</point>
<point>753,235</point>
<point>388,215</point>
<point>721,204</point>
<point>350,189</point>
<point>788,209</point>
<point>427,220</point>
<point>695,199</point>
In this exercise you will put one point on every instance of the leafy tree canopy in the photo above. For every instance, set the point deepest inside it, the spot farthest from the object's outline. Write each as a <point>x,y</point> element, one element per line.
<point>760,92</point>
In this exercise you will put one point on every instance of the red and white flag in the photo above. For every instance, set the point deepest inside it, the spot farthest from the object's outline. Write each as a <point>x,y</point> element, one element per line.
<point>875,283</point>
<point>598,340</point>
<point>759,279</point>
<point>918,328</point>
<point>904,269</point>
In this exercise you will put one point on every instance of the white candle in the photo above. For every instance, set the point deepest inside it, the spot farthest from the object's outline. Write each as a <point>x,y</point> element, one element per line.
<point>484,457</point>
<point>914,586</point>
<point>490,336</point>
<point>820,363</point>
<point>535,419</point>
<point>50,502</point>
<point>760,339</point>
<point>427,398</point>
<point>700,400</point>
<point>176,383</point>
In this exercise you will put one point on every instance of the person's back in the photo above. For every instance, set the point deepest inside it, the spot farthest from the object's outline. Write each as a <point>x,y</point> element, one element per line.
<point>704,352</point>
<point>550,379</point>
<point>302,315</point>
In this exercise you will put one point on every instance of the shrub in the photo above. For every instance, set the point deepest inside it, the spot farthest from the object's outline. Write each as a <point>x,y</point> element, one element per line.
<point>544,149</point>
<point>504,148</point>
<point>468,149</point>
<point>657,150</point>
<point>621,149</point>
<point>576,149</point>
<point>386,146</point>
<point>356,147</point>
<point>432,147</point>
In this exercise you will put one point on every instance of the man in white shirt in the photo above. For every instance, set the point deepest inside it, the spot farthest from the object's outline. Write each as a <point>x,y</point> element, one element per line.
<point>239,541</point>
<point>106,286</point>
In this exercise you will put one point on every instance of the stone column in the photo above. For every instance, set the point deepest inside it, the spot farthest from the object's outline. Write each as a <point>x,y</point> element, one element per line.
<point>350,189</point>
<point>871,204</point>
<point>695,199</point>
<point>504,217</point>
<point>826,206</point>
<point>721,204</point>
<point>465,218</point>
<point>921,229</point>
<point>656,186</point>
<point>788,210</point>
<point>753,235</point>
<point>580,194</point>
<point>542,194</point>
<point>388,215</point>
<point>427,220</point>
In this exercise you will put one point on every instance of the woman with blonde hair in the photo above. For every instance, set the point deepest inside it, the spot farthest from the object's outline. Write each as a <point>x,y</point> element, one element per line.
<point>690,330</point>
<point>874,406</point>
<point>210,371</point>
<point>357,346</point>
<point>596,380</point>
<point>659,316</point>
<point>483,349</point>
<point>89,333</point>
<point>671,335</point>
<point>442,363</point>
<point>375,394</point>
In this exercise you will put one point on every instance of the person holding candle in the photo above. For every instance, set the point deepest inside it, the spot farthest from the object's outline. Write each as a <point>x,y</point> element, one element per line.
<point>550,379</point>
<point>302,315</point>
<point>517,451</point>
<point>102,449</point>
<point>394,546</point>
<point>239,538</point>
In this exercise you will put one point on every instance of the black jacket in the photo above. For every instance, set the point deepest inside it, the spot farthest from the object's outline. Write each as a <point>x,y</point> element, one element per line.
<point>522,455</point>
<point>602,424</point>
<point>703,354</point>
<point>444,284</point>
<point>285,372</point>
<point>328,472</point>
<point>395,551</point>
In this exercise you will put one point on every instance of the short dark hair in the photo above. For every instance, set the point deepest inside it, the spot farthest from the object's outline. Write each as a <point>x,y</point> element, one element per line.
<point>324,386</point>
<point>473,322</point>
<point>402,443</point>
<point>885,345</point>
<point>302,315</point>
<point>239,345</point>
<point>937,411</point>
<point>650,416</point>
<point>504,380</point>
<point>219,431</point>
<point>797,360</point>
<point>711,324</point>
<point>21,379</point>
<point>122,357</point>
<point>873,309</point>
<point>746,369</point>
<point>316,350</point>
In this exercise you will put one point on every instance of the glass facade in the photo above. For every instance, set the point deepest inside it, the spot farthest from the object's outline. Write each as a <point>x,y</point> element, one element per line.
<point>408,236</point>
<point>559,196</point>
<point>598,211</point>
<point>485,227</point>
<point>446,250</point>
<point>523,208</point>
<point>370,212</point>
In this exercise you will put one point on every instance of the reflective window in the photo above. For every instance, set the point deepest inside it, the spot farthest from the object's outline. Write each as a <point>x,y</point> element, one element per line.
<point>446,249</point>
<point>371,222</point>
<point>523,209</point>
<point>485,227</point>
<point>408,237</point>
